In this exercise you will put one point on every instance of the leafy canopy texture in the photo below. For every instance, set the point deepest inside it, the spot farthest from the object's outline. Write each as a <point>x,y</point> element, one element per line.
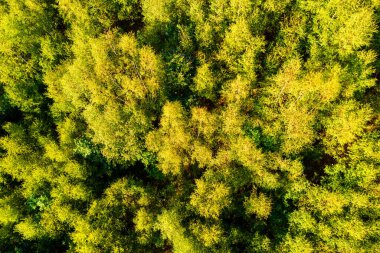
<point>189,126</point>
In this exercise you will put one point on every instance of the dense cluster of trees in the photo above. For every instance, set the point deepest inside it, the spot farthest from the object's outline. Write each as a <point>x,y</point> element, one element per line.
<point>189,126</point>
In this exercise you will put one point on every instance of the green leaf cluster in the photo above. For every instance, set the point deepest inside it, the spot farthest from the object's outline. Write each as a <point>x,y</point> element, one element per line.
<point>189,126</point>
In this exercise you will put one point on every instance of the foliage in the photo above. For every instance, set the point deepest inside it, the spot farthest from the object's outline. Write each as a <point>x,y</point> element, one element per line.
<point>189,126</point>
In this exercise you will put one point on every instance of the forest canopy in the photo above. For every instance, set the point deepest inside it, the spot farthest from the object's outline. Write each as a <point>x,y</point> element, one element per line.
<point>189,126</point>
